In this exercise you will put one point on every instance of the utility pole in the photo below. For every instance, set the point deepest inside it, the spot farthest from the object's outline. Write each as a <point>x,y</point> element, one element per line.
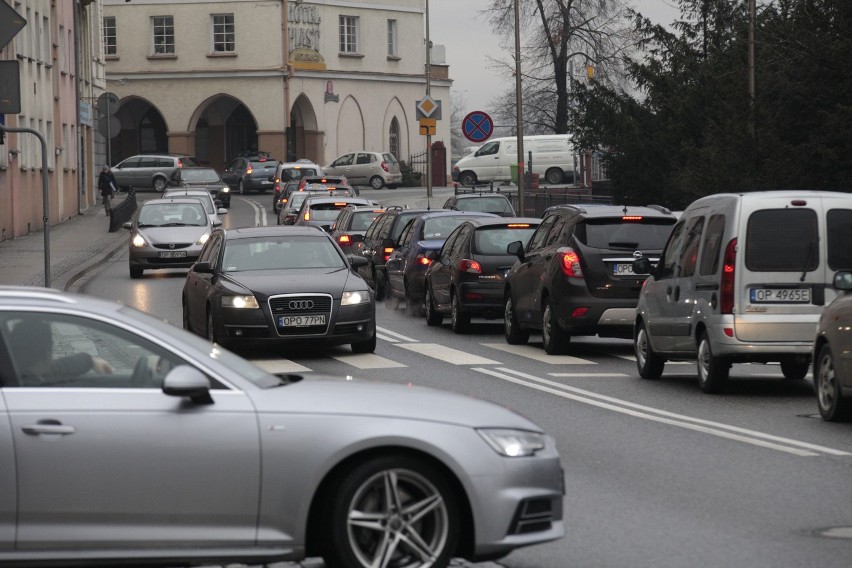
<point>428,94</point>
<point>519,112</point>
<point>751,87</point>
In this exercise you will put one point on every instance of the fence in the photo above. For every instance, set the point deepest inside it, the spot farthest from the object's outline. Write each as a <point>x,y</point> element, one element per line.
<point>122,211</point>
<point>419,163</point>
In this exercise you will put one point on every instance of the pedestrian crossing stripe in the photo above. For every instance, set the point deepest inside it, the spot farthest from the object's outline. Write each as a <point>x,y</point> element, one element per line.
<point>446,354</point>
<point>537,354</point>
<point>368,361</point>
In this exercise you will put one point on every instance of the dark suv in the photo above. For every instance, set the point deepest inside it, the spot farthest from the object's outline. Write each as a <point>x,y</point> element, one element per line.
<point>480,200</point>
<point>250,173</point>
<point>575,275</point>
<point>379,242</point>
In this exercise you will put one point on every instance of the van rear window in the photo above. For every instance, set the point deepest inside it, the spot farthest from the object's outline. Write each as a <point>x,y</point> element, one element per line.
<point>613,233</point>
<point>782,240</point>
<point>839,223</point>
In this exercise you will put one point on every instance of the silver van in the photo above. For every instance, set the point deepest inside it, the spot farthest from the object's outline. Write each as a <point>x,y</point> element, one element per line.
<point>743,278</point>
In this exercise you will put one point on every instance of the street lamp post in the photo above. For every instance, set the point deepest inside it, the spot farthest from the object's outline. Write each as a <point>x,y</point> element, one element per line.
<point>428,94</point>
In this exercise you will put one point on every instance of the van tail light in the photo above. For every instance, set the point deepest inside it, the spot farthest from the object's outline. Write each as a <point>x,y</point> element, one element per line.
<point>180,164</point>
<point>385,166</point>
<point>386,252</point>
<point>571,264</point>
<point>471,266</point>
<point>344,240</point>
<point>423,261</point>
<point>307,215</point>
<point>726,301</point>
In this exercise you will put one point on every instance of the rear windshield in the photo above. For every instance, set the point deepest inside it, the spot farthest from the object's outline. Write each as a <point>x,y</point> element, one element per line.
<point>361,220</point>
<point>401,222</point>
<point>207,175</point>
<point>649,233</point>
<point>498,205</point>
<point>326,211</point>
<point>296,173</point>
<point>263,163</point>
<point>441,227</point>
<point>186,162</point>
<point>782,240</point>
<point>839,223</point>
<point>389,158</point>
<point>494,240</point>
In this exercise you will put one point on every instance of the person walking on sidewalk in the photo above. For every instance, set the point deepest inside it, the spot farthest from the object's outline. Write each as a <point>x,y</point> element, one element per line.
<point>107,187</point>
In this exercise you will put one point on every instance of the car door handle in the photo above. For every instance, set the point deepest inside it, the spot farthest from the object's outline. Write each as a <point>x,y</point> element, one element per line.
<point>54,427</point>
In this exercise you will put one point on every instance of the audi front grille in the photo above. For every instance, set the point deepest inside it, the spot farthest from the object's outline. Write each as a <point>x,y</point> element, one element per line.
<point>301,305</point>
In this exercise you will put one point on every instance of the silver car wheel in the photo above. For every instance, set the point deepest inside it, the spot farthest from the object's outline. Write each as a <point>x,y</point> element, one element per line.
<point>398,517</point>
<point>826,381</point>
<point>159,185</point>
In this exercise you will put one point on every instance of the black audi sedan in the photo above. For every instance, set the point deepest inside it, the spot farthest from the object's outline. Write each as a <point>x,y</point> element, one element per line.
<point>278,285</point>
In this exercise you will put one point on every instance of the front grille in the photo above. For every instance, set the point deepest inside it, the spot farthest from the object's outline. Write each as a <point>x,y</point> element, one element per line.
<point>533,515</point>
<point>170,246</point>
<point>301,305</point>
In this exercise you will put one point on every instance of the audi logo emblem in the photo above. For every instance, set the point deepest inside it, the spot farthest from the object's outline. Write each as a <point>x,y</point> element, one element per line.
<point>301,304</point>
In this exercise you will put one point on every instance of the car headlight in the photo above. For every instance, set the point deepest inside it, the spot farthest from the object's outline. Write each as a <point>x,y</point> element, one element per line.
<point>225,189</point>
<point>202,239</point>
<point>138,240</point>
<point>513,443</point>
<point>356,297</point>
<point>240,302</point>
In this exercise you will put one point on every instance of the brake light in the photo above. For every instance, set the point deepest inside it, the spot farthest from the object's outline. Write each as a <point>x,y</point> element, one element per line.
<point>180,164</point>
<point>519,225</point>
<point>344,240</point>
<point>726,289</point>
<point>571,264</point>
<point>386,252</point>
<point>248,170</point>
<point>385,167</point>
<point>340,204</point>
<point>631,218</point>
<point>471,266</point>
<point>423,261</point>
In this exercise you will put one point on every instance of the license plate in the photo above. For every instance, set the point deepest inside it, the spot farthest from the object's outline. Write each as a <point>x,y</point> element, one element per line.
<point>173,254</point>
<point>623,269</point>
<point>780,295</point>
<point>301,321</point>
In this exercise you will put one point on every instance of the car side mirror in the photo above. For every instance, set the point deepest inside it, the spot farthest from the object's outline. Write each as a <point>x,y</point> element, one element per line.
<point>127,225</point>
<point>222,211</point>
<point>188,382</point>
<point>203,266</point>
<point>217,223</point>
<point>516,248</point>
<point>356,261</point>
<point>642,266</point>
<point>843,280</point>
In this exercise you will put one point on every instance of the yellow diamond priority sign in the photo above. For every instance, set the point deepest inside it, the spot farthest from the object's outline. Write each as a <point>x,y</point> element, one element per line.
<point>427,107</point>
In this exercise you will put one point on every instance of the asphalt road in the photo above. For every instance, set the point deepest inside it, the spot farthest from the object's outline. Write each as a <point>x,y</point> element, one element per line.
<point>657,473</point>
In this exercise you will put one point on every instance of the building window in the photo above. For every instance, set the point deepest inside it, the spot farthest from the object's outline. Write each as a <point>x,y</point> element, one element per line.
<point>223,33</point>
<point>393,137</point>
<point>164,34</point>
<point>392,42</point>
<point>110,46</point>
<point>349,34</point>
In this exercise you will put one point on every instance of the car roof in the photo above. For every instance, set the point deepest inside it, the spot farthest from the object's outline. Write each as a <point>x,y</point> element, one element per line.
<point>497,220</point>
<point>357,200</point>
<point>171,200</point>
<point>453,213</point>
<point>594,210</point>
<point>272,231</point>
<point>479,195</point>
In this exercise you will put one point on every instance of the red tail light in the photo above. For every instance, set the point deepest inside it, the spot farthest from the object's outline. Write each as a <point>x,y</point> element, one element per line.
<point>470,266</point>
<point>387,251</point>
<point>631,218</point>
<point>571,264</point>
<point>248,171</point>
<point>726,291</point>
<point>180,164</point>
<point>385,167</point>
<point>344,240</point>
<point>423,261</point>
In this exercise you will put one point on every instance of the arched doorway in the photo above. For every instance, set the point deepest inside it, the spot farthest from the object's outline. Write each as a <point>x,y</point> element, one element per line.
<point>223,128</point>
<point>303,138</point>
<point>143,130</point>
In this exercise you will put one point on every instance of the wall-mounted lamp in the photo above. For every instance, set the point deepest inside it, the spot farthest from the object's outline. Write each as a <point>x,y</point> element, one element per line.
<point>58,150</point>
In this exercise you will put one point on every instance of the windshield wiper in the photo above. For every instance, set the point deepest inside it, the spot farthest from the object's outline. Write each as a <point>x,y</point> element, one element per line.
<point>811,247</point>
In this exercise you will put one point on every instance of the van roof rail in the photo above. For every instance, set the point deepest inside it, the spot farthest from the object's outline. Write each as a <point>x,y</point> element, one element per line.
<point>475,188</point>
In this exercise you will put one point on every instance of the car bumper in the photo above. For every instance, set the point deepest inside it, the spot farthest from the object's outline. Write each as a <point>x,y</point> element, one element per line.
<point>346,324</point>
<point>605,317</point>
<point>150,258</point>
<point>484,298</point>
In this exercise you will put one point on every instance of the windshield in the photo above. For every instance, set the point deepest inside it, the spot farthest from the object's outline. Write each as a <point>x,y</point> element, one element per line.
<point>205,199</point>
<point>172,215</point>
<point>281,253</point>
<point>494,240</point>
<point>296,199</point>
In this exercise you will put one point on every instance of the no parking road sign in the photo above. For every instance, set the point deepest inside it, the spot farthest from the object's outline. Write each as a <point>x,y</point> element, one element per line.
<point>477,126</point>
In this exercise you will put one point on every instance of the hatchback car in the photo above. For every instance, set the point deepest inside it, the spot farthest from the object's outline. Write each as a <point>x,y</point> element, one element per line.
<point>211,206</point>
<point>167,233</point>
<point>467,276</point>
<point>287,175</point>
<point>149,171</point>
<point>185,453</point>
<point>832,363</point>
<point>275,285</point>
<point>488,202</point>
<point>575,276</point>
<point>321,211</point>
<point>352,220</point>
<point>376,169</point>
<point>200,177</point>
<point>406,266</point>
<point>250,173</point>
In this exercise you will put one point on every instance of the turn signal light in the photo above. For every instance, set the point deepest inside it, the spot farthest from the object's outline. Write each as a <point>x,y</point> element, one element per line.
<point>386,252</point>
<point>344,240</point>
<point>571,264</point>
<point>470,266</point>
<point>423,261</point>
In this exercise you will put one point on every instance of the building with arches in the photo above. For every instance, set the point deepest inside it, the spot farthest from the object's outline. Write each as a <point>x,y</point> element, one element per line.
<point>296,79</point>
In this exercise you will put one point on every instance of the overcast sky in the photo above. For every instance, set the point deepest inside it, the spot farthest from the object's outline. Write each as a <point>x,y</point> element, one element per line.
<point>458,26</point>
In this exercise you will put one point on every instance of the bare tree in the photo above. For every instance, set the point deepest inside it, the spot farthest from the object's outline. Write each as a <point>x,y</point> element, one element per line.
<point>562,40</point>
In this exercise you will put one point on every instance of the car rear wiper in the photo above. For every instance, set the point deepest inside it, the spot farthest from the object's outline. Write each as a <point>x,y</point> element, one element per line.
<point>811,247</point>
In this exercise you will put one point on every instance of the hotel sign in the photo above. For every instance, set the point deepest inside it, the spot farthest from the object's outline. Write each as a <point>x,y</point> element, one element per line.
<point>303,23</point>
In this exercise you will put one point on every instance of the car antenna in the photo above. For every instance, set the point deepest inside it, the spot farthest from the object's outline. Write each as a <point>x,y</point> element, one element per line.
<point>625,209</point>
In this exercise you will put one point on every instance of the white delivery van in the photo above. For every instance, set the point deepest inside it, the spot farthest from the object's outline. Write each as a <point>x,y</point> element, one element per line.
<point>552,159</point>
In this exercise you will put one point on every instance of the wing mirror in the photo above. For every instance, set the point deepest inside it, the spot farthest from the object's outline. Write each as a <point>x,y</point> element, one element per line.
<point>188,382</point>
<point>355,261</point>
<point>642,266</point>
<point>516,248</point>
<point>203,267</point>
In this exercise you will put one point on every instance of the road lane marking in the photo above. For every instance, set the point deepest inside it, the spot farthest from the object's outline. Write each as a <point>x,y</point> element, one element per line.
<point>537,354</point>
<point>446,354</point>
<point>736,433</point>
<point>584,375</point>
<point>368,361</point>
<point>633,358</point>
<point>393,336</point>
<point>280,366</point>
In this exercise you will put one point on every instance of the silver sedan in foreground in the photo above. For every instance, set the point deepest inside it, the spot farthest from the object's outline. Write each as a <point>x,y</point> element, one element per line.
<point>128,440</point>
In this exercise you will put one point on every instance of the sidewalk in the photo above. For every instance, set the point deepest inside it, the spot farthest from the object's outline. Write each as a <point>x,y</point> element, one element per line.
<point>76,246</point>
